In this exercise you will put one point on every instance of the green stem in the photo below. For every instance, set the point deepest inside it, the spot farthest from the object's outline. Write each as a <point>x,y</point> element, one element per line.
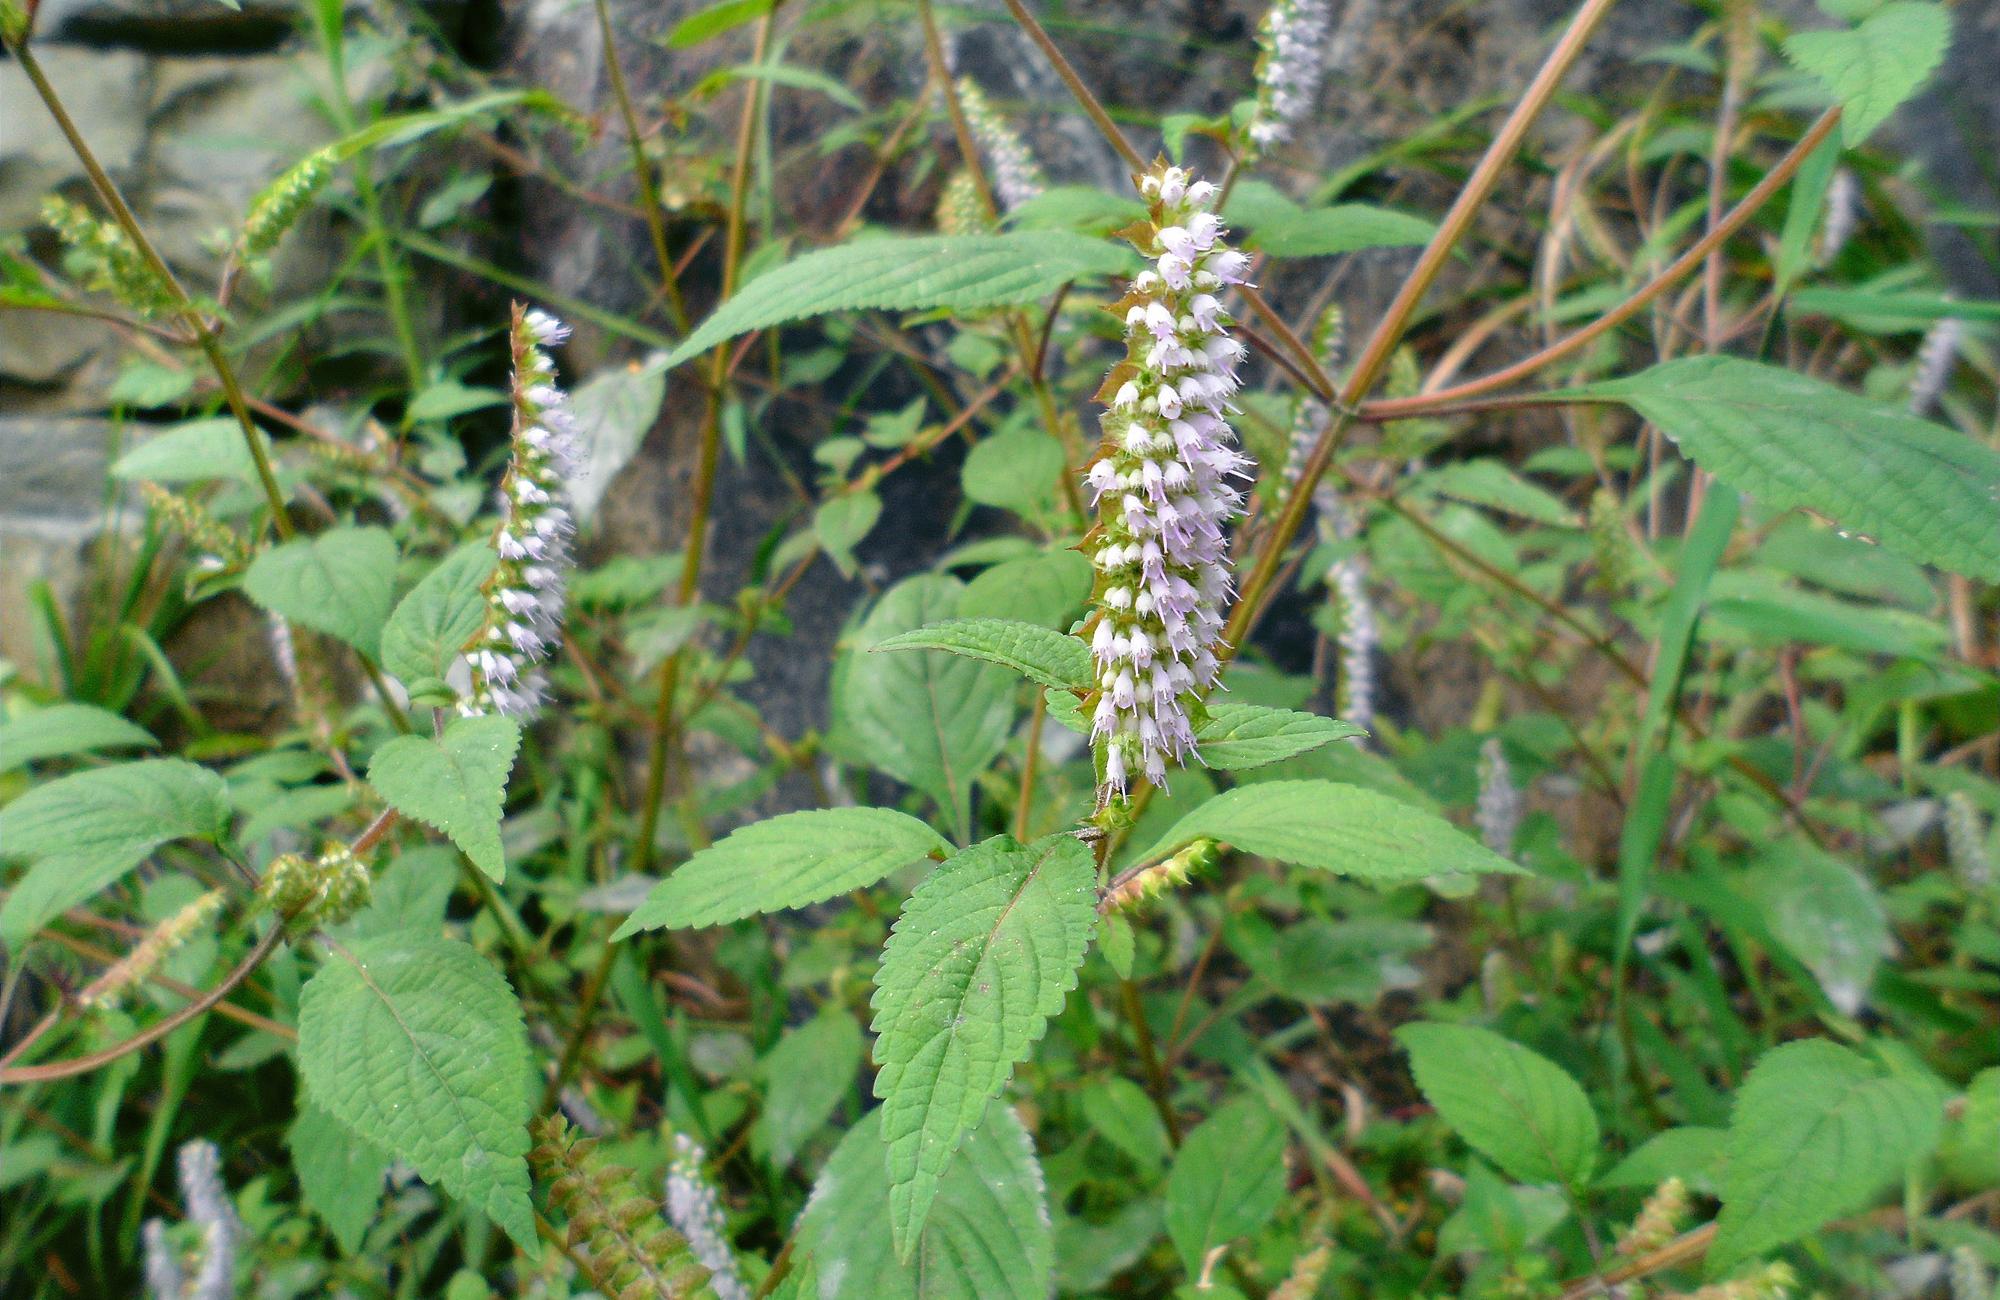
<point>642,172</point>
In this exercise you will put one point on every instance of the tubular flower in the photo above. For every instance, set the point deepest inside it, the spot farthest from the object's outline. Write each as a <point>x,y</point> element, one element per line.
<point>525,594</point>
<point>1934,362</point>
<point>1162,487</point>
<point>696,1213</point>
<point>1017,177</point>
<point>1293,36</point>
<point>1843,213</point>
<point>1499,808</point>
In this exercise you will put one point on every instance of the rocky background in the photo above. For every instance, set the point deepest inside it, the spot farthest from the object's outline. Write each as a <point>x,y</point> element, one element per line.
<point>193,106</point>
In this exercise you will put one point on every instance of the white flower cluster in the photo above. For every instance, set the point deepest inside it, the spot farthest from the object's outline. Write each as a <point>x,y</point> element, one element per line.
<point>696,1213</point>
<point>1843,213</point>
<point>208,1209</point>
<point>1017,177</point>
<point>1293,36</point>
<point>526,590</point>
<point>1935,358</point>
<point>1965,841</point>
<point>1162,487</point>
<point>1499,809</point>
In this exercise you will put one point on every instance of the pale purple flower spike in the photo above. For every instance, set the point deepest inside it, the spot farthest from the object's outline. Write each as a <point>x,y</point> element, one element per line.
<point>1294,38</point>
<point>1162,489</point>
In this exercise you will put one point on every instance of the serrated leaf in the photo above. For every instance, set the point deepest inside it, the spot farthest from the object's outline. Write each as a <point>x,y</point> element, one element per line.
<point>190,453</point>
<point>1919,489</point>
<point>1693,1154</point>
<point>1048,589</point>
<point>931,720</point>
<point>1227,1180</point>
<point>1344,228</point>
<point>908,273</point>
<point>784,862</point>
<point>805,1076</point>
<point>1340,828</point>
<point>1515,1107</point>
<point>1237,737</point>
<point>342,582</point>
<point>457,783</point>
<point>986,950</point>
<point>1817,1131</point>
<point>61,730</point>
<point>85,830</point>
<point>1038,653</point>
<point>340,1175</point>
<point>987,1237</point>
<point>1874,67</point>
<point>442,612</point>
<point>417,1046</point>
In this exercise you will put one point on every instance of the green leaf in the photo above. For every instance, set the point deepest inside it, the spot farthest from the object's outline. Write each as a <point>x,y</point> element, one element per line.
<point>805,1076</point>
<point>908,273</point>
<point>339,1175</point>
<point>1048,589</point>
<point>986,950</point>
<point>62,730</point>
<point>432,624</point>
<point>1015,470</point>
<point>1789,440</point>
<point>987,1238</point>
<point>143,384</point>
<point>1817,1131</point>
<point>1827,915</point>
<point>841,522</point>
<point>1693,1154</point>
<point>931,720</point>
<point>1227,1180</point>
<point>713,21</point>
<point>1876,66</point>
<point>1344,228</point>
<point>1335,827</point>
<point>1241,736</point>
<point>190,453</point>
<point>1488,482</point>
<point>1516,1108</point>
<point>784,862</point>
<point>1804,209</point>
<point>615,409</point>
<point>1119,1111</point>
<point>448,397</point>
<point>417,1046</point>
<point>342,582</point>
<point>85,830</point>
<point>1038,653</point>
<point>457,783</point>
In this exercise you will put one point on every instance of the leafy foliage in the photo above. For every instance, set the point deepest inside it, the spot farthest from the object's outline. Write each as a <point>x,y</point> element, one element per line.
<point>1513,1106</point>
<point>456,783</point>
<point>341,582</point>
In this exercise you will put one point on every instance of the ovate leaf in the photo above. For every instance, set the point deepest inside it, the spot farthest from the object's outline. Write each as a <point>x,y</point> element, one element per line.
<point>1227,1180</point>
<point>417,1046</point>
<point>1828,915</point>
<point>1874,67</point>
<point>441,613</point>
<point>614,410</point>
<point>341,582</point>
<point>908,273</point>
<point>1016,470</point>
<point>987,1237</point>
<point>1919,489</point>
<point>985,952</point>
<point>805,1076</point>
<point>1241,736</point>
<point>340,1175</point>
<point>784,862</point>
<point>1335,827</point>
<point>1344,228</point>
<point>841,522</point>
<point>1038,653</point>
<point>191,453</point>
<point>1517,1108</point>
<point>1817,1131</point>
<point>1047,589</point>
<point>457,783</point>
<point>85,830</point>
<point>61,730</point>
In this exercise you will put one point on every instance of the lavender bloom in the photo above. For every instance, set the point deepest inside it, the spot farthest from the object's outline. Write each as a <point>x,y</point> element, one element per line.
<point>208,1209</point>
<point>696,1213</point>
<point>1162,488</point>
<point>1965,841</point>
<point>1359,635</point>
<point>164,1280</point>
<point>1499,808</point>
<point>526,591</point>
<point>1843,213</point>
<point>1294,38</point>
<point>1935,359</point>
<point>1017,177</point>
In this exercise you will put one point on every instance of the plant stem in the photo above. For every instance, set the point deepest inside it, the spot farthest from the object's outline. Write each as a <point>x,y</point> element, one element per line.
<point>1149,1057</point>
<point>642,172</point>
<point>593,992</point>
<point>1105,126</point>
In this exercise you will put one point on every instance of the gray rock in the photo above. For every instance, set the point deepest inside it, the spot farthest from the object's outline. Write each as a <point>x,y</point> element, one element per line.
<point>167,25</point>
<point>52,476</point>
<point>106,94</point>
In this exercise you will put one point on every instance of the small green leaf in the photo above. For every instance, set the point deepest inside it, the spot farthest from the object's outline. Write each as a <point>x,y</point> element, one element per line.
<point>1344,228</point>
<point>1015,470</point>
<point>417,1046</point>
<point>986,950</point>
<point>1827,915</point>
<point>841,522</point>
<point>1693,1154</point>
<point>1048,589</point>
<point>615,409</point>
<point>1921,490</point>
<point>705,24</point>
<point>143,384</point>
<point>448,397</point>
<point>1119,1111</point>
<point>1237,737</point>
<point>85,830</point>
<point>62,730</point>
<point>908,273</point>
<point>1227,1180</point>
<point>1038,653</point>
<point>806,1075</point>
<point>432,624</point>
<point>1515,1107</point>
<point>1876,66</point>
<point>457,784</point>
<point>342,582</point>
<point>784,862</point>
<point>988,1236</point>
<point>1340,828</point>
<point>1817,1131</point>
<point>1487,482</point>
<point>190,453</point>
<point>339,1174</point>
